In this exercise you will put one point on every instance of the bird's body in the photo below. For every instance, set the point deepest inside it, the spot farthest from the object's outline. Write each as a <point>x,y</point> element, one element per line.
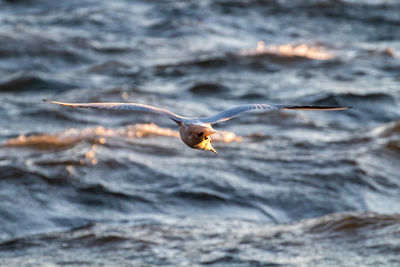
<point>195,132</point>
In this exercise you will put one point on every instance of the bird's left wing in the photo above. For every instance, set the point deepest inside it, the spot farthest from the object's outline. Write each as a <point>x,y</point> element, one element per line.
<point>125,106</point>
<point>236,111</point>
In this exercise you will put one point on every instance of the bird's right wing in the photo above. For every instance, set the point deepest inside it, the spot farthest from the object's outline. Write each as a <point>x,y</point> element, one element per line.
<point>125,106</point>
<point>236,111</point>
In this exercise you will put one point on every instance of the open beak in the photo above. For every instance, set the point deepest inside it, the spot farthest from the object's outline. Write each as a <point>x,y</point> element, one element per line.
<point>209,146</point>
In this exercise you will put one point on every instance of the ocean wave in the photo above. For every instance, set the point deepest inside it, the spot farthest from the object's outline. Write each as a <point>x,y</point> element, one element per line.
<point>289,51</point>
<point>388,136</point>
<point>26,81</point>
<point>261,59</point>
<point>227,242</point>
<point>208,88</point>
<point>351,98</point>
<point>372,11</point>
<point>38,44</point>
<point>109,67</point>
<point>374,106</point>
<point>203,196</point>
<point>350,223</point>
<point>387,130</point>
<point>99,195</point>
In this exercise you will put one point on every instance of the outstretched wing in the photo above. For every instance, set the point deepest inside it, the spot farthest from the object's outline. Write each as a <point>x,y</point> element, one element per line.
<point>236,111</point>
<point>125,106</point>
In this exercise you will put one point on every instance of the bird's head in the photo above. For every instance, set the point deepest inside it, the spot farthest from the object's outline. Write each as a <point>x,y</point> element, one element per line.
<point>197,137</point>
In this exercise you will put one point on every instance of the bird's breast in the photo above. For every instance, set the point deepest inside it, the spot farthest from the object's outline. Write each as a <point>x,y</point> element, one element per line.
<point>190,137</point>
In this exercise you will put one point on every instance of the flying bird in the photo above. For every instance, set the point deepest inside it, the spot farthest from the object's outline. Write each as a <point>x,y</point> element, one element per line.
<point>195,132</point>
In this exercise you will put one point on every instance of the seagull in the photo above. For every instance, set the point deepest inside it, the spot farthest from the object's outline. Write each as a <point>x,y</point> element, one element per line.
<point>195,132</point>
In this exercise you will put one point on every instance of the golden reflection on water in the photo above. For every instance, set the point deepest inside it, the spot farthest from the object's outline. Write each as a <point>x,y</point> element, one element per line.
<point>90,156</point>
<point>98,135</point>
<point>289,50</point>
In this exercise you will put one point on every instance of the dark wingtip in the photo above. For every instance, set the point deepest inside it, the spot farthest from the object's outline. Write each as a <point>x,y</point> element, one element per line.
<point>332,108</point>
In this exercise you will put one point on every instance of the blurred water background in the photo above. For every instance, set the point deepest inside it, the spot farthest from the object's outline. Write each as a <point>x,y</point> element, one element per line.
<point>288,188</point>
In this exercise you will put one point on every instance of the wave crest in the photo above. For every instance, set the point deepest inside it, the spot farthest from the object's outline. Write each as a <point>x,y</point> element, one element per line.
<point>290,51</point>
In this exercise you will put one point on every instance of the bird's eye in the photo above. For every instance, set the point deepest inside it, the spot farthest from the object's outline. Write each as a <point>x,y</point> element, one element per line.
<point>200,134</point>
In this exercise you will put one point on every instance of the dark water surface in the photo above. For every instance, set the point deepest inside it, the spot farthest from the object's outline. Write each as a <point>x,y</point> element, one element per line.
<point>288,188</point>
